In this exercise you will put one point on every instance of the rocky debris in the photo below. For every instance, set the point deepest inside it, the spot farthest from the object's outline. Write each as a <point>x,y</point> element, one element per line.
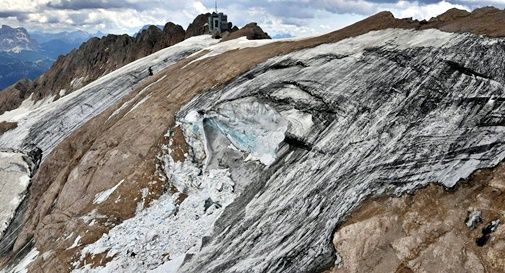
<point>423,232</point>
<point>473,219</point>
<point>33,157</point>
<point>199,26</point>
<point>252,31</point>
<point>486,233</point>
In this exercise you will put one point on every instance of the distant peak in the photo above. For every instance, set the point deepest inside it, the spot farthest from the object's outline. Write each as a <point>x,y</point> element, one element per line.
<point>384,14</point>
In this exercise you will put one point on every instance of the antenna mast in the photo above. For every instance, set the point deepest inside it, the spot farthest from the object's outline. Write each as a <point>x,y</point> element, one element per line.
<point>215,2</point>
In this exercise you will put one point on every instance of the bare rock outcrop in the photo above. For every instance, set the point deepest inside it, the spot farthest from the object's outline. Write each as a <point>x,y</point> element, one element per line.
<point>487,21</point>
<point>199,26</point>
<point>251,31</point>
<point>428,231</point>
<point>14,95</point>
<point>153,39</point>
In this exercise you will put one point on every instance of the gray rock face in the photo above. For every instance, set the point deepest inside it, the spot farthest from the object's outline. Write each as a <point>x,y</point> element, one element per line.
<point>384,112</point>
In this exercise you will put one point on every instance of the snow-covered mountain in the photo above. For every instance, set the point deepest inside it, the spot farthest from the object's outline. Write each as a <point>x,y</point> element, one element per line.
<point>60,43</point>
<point>252,155</point>
<point>25,55</point>
<point>75,37</point>
<point>15,40</point>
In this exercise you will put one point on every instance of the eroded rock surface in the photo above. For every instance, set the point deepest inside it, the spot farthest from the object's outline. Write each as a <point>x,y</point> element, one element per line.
<point>426,231</point>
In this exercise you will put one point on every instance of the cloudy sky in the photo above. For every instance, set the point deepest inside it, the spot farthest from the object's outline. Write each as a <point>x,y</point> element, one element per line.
<point>296,17</point>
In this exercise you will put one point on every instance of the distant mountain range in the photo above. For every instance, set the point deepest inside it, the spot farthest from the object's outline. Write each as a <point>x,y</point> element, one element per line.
<point>27,55</point>
<point>55,44</point>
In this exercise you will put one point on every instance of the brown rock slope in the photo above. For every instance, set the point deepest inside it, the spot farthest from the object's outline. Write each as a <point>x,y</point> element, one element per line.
<point>6,126</point>
<point>427,232</point>
<point>487,21</point>
<point>105,151</point>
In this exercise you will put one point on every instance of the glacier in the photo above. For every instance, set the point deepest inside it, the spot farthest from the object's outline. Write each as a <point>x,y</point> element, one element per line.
<point>302,139</point>
<point>15,174</point>
<point>279,156</point>
<point>382,113</point>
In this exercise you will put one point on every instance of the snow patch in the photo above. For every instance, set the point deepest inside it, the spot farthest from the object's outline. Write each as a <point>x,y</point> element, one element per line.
<point>220,48</point>
<point>104,195</point>
<point>76,242</point>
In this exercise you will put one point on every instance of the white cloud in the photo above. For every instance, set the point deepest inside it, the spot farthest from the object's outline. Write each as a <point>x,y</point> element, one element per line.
<point>299,17</point>
<point>405,9</point>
